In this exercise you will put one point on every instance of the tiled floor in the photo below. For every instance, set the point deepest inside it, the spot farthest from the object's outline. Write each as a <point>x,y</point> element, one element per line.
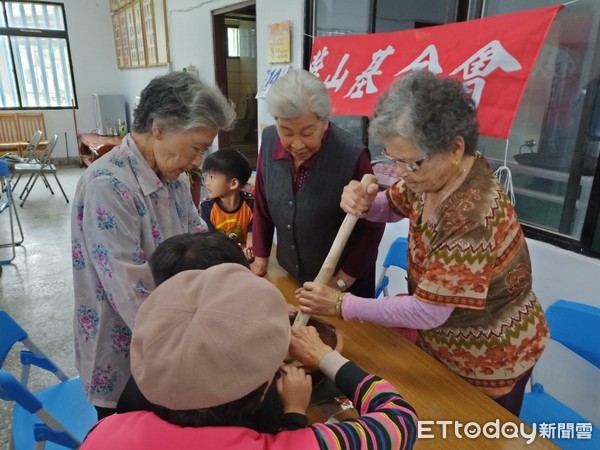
<point>37,289</point>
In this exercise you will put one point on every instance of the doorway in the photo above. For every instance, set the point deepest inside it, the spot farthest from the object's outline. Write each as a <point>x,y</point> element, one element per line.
<point>235,66</point>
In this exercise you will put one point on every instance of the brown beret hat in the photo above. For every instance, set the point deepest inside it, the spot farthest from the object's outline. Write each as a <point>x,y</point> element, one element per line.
<point>207,337</point>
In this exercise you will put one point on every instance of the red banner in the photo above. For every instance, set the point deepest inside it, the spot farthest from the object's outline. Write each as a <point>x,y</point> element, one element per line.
<point>493,57</point>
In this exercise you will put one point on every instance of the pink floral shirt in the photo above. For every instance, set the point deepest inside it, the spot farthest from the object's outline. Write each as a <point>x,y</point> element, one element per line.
<point>121,212</point>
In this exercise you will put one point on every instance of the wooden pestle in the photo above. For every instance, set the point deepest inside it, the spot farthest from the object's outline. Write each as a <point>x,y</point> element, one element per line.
<point>335,251</point>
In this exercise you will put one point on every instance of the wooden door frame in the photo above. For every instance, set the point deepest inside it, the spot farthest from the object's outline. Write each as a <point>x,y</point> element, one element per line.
<point>220,53</point>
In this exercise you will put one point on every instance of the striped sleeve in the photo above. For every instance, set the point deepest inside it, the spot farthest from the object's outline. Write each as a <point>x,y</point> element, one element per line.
<point>386,421</point>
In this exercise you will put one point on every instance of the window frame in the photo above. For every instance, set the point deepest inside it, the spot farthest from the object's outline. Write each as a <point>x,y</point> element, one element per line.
<point>233,27</point>
<point>37,33</point>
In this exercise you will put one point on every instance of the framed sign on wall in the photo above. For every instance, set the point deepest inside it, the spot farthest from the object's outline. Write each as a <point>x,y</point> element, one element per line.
<point>131,34</point>
<point>279,42</point>
<point>140,33</point>
<point>150,35</point>
<point>124,39</point>
<point>117,35</point>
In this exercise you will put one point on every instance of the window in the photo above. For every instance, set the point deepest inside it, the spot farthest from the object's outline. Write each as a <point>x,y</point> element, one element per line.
<point>233,42</point>
<point>555,140</point>
<point>35,63</point>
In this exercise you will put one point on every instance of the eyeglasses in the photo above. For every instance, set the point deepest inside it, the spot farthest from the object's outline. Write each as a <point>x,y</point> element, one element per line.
<point>409,167</point>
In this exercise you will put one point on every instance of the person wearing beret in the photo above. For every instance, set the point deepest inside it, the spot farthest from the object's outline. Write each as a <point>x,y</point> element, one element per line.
<point>206,356</point>
<point>199,251</point>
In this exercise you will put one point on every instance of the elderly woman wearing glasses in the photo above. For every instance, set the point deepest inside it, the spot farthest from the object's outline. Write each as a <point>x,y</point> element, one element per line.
<point>469,274</point>
<point>304,164</point>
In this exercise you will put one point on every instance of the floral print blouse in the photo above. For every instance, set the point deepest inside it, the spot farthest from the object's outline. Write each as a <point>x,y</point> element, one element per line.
<point>472,255</point>
<point>121,212</point>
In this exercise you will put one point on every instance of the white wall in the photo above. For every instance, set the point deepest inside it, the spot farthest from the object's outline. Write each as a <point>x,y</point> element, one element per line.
<point>94,69</point>
<point>561,274</point>
<point>273,11</point>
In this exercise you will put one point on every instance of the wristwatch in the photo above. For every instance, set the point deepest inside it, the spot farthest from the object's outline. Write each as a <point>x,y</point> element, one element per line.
<point>341,284</point>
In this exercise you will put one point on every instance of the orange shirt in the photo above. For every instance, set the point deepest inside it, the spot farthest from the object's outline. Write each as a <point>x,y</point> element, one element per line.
<point>235,224</point>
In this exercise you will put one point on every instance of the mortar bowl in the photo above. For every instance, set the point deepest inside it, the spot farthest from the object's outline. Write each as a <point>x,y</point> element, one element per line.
<point>328,335</point>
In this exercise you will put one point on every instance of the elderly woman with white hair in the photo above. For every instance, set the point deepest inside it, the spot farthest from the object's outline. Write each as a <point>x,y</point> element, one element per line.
<point>126,204</point>
<point>304,164</point>
<point>469,273</point>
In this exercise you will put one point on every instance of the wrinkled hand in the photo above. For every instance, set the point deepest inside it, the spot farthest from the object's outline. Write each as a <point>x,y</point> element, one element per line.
<point>248,248</point>
<point>356,199</point>
<point>317,298</point>
<point>307,348</point>
<point>259,266</point>
<point>248,253</point>
<point>294,387</point>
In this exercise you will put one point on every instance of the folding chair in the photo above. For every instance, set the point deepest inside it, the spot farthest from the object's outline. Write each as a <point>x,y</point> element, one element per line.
<point>60,414</point>
<point>8,208</point>
<point>396,256</point>
<point>29,152</point>
<point>39,168</point>
<point>566,378</point>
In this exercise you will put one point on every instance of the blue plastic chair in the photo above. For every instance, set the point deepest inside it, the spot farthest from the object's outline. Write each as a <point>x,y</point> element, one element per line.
<point>59,415</point>
<point>577,327</point>
<point>566,380</point>
<point>397,255</point>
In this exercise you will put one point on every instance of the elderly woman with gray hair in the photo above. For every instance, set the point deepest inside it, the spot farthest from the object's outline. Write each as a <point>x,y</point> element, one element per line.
<point>304,164</point>
<point>469,273</point>
<point>126,203</point>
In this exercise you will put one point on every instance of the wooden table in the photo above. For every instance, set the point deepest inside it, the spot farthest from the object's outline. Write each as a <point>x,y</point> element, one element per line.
<point>436,393</point>
<point>92,146</point>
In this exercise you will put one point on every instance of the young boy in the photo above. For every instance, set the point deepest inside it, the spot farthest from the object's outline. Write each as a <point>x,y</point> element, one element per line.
<point>228,208</point>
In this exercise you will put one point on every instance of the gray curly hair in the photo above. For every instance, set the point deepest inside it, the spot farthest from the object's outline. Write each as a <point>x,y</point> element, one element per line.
<point>182,100</point>
<point>296,93</point>
<point>427,110</point>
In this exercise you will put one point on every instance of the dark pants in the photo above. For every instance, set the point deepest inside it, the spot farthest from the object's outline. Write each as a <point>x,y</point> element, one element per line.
<point>514,399</point>
<point>364,287</point>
